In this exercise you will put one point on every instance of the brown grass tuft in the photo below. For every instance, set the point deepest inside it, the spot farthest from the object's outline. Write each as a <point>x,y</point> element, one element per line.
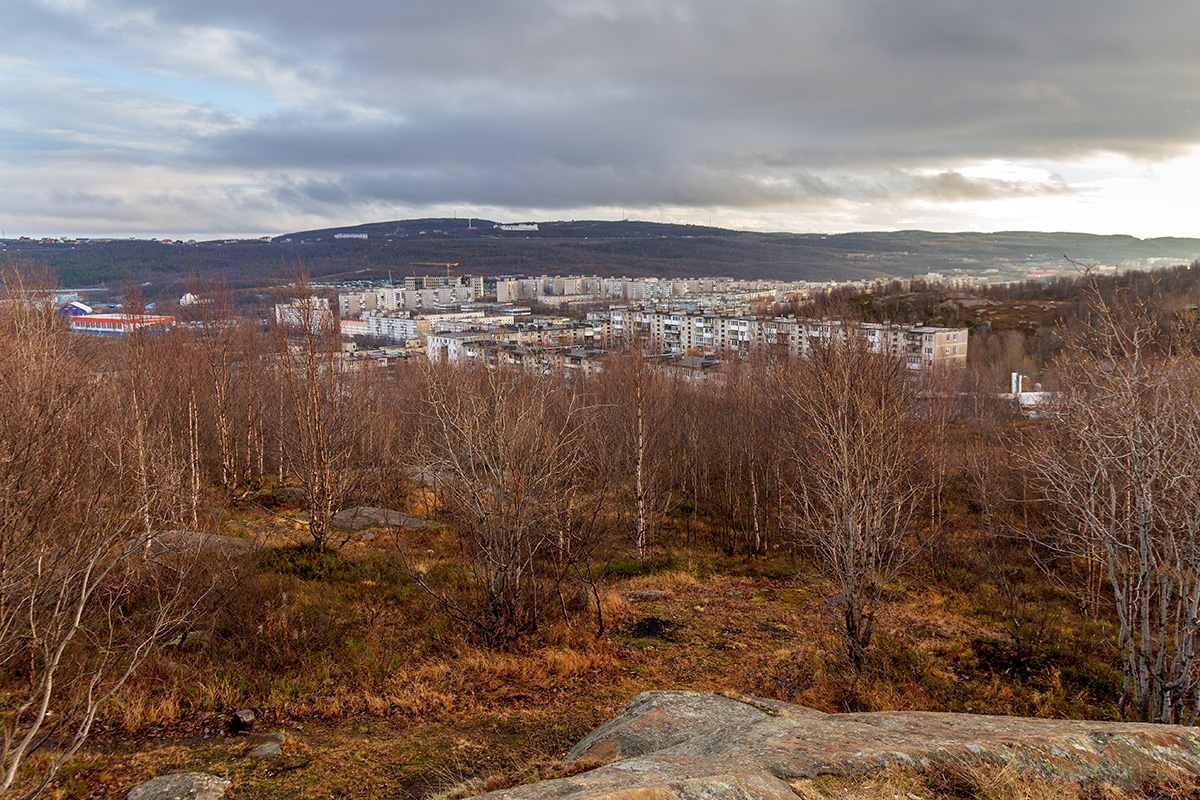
<point>614,607</point>
<point>990,782</point>
<point>662,581</point>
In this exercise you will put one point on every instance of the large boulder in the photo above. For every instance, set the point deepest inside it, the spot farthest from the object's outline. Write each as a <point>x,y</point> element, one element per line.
<point>198,542</point>
<point>686,745</point>
<point>654,721</point>
<point>181,786</point>
<point>360,517</point>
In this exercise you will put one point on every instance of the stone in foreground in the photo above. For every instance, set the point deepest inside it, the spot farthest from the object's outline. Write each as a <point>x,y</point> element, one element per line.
<point>181,786</point>
<point>687,746</point>
<point>267,750</point>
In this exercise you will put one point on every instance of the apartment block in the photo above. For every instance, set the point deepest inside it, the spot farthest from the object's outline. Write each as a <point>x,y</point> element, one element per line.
<point>388,299</point>
<point>923,348</point>
<point>312,313</point>
<point>407,327</point>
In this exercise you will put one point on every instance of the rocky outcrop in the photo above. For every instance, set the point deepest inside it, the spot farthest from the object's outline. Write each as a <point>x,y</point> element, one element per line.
<point>181,786</point>
<point>687,745</point>
<point>361,517</point>
<point>185,541</point>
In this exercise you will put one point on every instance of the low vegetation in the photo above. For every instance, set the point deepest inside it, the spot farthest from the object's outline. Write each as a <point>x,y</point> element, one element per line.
<point>590,540</point>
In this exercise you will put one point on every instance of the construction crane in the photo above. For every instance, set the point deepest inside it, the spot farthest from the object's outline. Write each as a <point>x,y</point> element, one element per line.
<point>445,264</point>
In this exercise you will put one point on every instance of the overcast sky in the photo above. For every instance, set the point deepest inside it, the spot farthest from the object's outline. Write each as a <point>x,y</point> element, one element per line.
<point>246,117</point>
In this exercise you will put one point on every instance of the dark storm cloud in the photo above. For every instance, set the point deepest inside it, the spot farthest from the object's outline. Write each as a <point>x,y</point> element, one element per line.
<point>605,102</point>
<point>548,184</point>
<point>544,104</point>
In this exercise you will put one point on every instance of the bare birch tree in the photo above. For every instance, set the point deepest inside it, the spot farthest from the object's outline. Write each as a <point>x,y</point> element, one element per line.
<point>82,600</point>
<point>745,451</point>
<point>642,436</point>
<point>510,454</point>
<point>854,434</point>
<point>1116,460</point>
<point>225,372</point>
<point>320,437</point>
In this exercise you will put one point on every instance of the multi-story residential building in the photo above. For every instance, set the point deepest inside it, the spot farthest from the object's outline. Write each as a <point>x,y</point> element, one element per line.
<point>568,286</point>
<point>449,347</point>
<point>312,313</point>
<point>389,298</point>
<point>517,289</point>
<point>407,327</point>
<point>679,332</point>
<point>394,329</point>
<point>355,304</point>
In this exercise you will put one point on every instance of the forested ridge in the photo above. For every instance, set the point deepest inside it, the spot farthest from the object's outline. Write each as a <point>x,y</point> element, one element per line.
<point>407,247</point>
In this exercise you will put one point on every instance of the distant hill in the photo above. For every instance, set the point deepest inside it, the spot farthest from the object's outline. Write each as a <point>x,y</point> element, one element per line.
<point>424,246</point>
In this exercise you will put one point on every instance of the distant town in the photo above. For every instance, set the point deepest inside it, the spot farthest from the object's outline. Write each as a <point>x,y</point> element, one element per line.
<point>689,322</point>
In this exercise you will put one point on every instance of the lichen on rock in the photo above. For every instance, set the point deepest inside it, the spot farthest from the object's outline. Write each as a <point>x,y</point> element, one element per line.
<point>689,745</point>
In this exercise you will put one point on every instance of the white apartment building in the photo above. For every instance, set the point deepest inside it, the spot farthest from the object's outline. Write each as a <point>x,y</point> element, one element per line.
<point>517,289</point>
<point>388,298</point>
<point>393,329</point>
<point>922,347</point>
<point>313,313</point>
<point>406,327</point>
<point>569,286</point>
<point>449,348</point>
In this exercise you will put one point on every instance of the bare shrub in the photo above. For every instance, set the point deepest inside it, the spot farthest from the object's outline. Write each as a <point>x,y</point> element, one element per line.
<point>510,454</point>
<point>855,433</point>
<point>1115,457</point>
<point>84,597</point>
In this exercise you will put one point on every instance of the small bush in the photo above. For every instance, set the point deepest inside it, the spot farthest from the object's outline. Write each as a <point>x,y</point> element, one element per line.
<point>623,570</point>
<point>774,569</point>
<point>308,562</point>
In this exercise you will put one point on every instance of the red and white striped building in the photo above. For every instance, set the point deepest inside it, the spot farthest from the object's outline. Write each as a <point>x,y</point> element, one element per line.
<point>120,323</point>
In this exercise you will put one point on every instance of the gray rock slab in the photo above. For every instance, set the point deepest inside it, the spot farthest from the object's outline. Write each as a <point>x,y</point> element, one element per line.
<point>688,744</point>
<point>654,721</point>
<point>360,517</point>
<point>266,750</point>
<point>282,495</point>
<point>200,542</point>
<point>180,786</point>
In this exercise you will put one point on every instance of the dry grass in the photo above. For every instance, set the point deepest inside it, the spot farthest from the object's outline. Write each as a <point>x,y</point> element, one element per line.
<point>662,581</point>
<point>963,782</point>
<point>540,771</point>
<point>614,608</point>
<point>137,711</point>
<point>385,696</point>
<point>987,782</point>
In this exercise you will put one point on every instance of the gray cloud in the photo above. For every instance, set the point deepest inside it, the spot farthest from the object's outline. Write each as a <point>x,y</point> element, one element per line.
<point>554,104</point>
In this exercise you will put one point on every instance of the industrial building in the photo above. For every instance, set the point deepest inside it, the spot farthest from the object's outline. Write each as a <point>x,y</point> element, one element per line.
<point>116,324</point>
